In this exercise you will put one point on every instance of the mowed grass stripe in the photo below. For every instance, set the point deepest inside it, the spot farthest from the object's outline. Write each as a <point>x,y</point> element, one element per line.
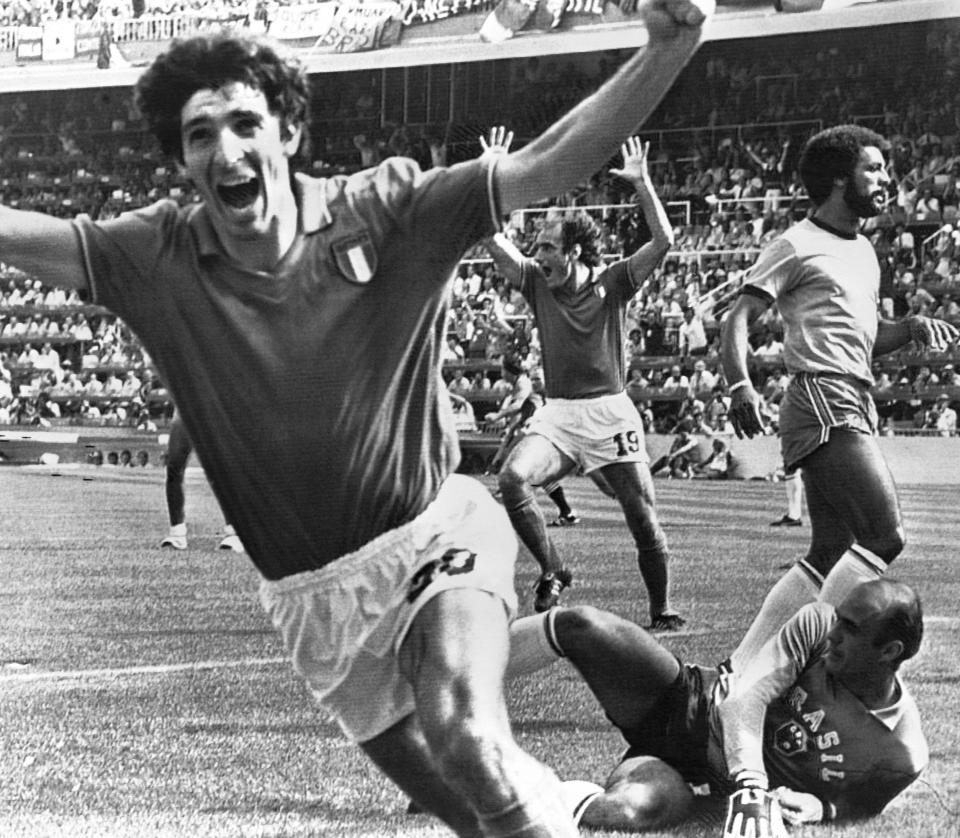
<point>167,749</point>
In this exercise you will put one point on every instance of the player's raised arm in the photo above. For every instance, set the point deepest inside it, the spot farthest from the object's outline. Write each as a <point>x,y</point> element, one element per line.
<point>507,257</point>
<point>636,171</point>
<point>578,144</point>
<point>42,245</point>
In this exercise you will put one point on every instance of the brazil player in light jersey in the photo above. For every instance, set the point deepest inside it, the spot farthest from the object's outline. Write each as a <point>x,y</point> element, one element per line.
<point>588,421</point>
<point>824,276</point>
<point>818,726</point>
<point>298,323</point>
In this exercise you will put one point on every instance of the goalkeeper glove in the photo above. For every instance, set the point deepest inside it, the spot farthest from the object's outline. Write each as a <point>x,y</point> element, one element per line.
<point>752,811</point>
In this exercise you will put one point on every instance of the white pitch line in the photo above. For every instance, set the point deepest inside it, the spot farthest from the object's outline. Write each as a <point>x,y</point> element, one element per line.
<point>23,677</point>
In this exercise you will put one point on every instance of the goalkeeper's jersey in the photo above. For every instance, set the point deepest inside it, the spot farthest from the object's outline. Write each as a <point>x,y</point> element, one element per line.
<point>788,714</point>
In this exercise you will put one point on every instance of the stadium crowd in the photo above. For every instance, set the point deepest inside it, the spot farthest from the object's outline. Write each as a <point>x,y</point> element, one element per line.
<point>724,164</point>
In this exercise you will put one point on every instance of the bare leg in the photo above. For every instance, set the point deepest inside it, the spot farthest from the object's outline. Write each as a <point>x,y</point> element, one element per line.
<point>460,760</point>
<point>533,461</point>
<point>634,489</point>
<point>178,452</point>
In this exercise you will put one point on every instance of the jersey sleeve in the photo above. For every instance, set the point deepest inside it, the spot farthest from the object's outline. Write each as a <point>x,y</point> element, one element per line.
<point>119,254</point>
<point>617,278</point>
<point>768,675</point>
<point>774,272</point>
<point>443,211</point>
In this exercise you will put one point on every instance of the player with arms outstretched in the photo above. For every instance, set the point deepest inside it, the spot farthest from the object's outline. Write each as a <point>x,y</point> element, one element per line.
<point>588,420</point>
<point>298,323</point>
<point>824,277</point>
<point>818,726</point>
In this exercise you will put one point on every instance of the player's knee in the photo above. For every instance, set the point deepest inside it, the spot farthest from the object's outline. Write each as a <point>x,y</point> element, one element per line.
<point>467,749</point>
<point>640,807</point>
<point>579,628</point>
<point>887,545</point>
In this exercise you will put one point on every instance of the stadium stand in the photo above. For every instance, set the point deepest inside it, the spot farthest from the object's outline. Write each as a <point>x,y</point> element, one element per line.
<point>724,164</point>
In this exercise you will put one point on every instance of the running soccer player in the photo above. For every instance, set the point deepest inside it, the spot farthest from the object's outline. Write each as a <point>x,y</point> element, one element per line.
<point>179,449</point>
<point>824,277</point>
<point>298,323</point>
<point>817,727</point>
<point>588,420</point>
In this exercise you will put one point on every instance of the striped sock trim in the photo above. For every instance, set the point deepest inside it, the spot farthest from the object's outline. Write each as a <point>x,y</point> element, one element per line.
<point>550,629</point>
<point>871,560</point>
<point>811,572</point>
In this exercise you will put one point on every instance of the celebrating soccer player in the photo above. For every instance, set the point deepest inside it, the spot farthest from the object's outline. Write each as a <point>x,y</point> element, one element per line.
<point>588,421</point>
<point>389,577</point>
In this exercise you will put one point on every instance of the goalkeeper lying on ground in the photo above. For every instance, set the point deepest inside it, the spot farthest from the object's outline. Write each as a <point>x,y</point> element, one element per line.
<point>818,726</point>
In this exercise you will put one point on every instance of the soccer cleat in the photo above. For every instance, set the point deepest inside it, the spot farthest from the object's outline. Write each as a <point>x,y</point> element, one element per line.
<point>570,520</point>
<point>667,621</point>
<point>549,587</point>
<point>231,541</point>
<point>787,521</point>
<point>176,542</point>
<point>577,795</point>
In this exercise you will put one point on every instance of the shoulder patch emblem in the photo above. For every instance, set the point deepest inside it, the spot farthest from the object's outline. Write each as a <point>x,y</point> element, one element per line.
<point>356,257</point>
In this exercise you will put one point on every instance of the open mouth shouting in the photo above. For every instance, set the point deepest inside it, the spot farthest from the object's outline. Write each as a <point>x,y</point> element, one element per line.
<point>239,193</point>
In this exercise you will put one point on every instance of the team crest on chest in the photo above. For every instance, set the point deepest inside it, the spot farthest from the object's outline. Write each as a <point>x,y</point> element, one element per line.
<point>356,257</point>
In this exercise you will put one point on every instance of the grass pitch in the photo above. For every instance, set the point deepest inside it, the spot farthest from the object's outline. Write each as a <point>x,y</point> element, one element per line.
<point>143,693</point>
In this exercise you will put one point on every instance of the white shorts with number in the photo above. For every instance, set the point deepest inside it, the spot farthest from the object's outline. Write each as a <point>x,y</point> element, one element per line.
<point>343,624</point>
<point>593,432</point>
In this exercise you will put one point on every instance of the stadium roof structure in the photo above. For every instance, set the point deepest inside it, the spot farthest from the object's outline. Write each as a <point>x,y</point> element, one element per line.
<point>454,40</point>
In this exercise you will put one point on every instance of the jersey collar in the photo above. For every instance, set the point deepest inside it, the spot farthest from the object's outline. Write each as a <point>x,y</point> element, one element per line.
<point>311,195</point>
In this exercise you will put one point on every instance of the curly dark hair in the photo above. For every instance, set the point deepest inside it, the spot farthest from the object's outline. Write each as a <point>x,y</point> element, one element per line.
<point>207,62</point>
<point>580,228</point>
<point>833,153</point>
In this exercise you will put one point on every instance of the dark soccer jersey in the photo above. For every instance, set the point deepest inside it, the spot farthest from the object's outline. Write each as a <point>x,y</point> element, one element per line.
<point>817,737</point>
<point>581,332</point>
<point>312,393</point>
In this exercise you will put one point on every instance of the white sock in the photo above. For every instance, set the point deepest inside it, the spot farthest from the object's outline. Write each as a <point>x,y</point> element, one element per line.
<point>794,487</point>
<point>228,530</point>
<point>178,529</point>
<point>797,587</point>
<point>855,566</point>
<point>533,644</point>
<point>540,812</point>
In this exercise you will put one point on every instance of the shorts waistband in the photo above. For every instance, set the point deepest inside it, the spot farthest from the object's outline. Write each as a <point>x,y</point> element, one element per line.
<point>832,376</point>
<point>607,397</point>
<point>368,552</point>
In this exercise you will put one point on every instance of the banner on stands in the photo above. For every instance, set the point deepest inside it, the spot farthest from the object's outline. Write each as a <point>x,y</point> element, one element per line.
<point>59,40</point>
<point>87,37</point>
<point>30,43</point>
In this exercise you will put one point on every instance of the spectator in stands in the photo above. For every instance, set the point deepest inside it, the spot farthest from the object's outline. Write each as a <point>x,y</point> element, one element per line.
<point>14,328</point>
<point>941,417</point>
<point>81,330</point>
<point>453,351</point>
<point>28,356</point>
<point>927,208</point>
<point>49,359</point>
<point>702,379</point>
<point>691,335</point>
<point>948,376</point>
<point>675,381</point>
